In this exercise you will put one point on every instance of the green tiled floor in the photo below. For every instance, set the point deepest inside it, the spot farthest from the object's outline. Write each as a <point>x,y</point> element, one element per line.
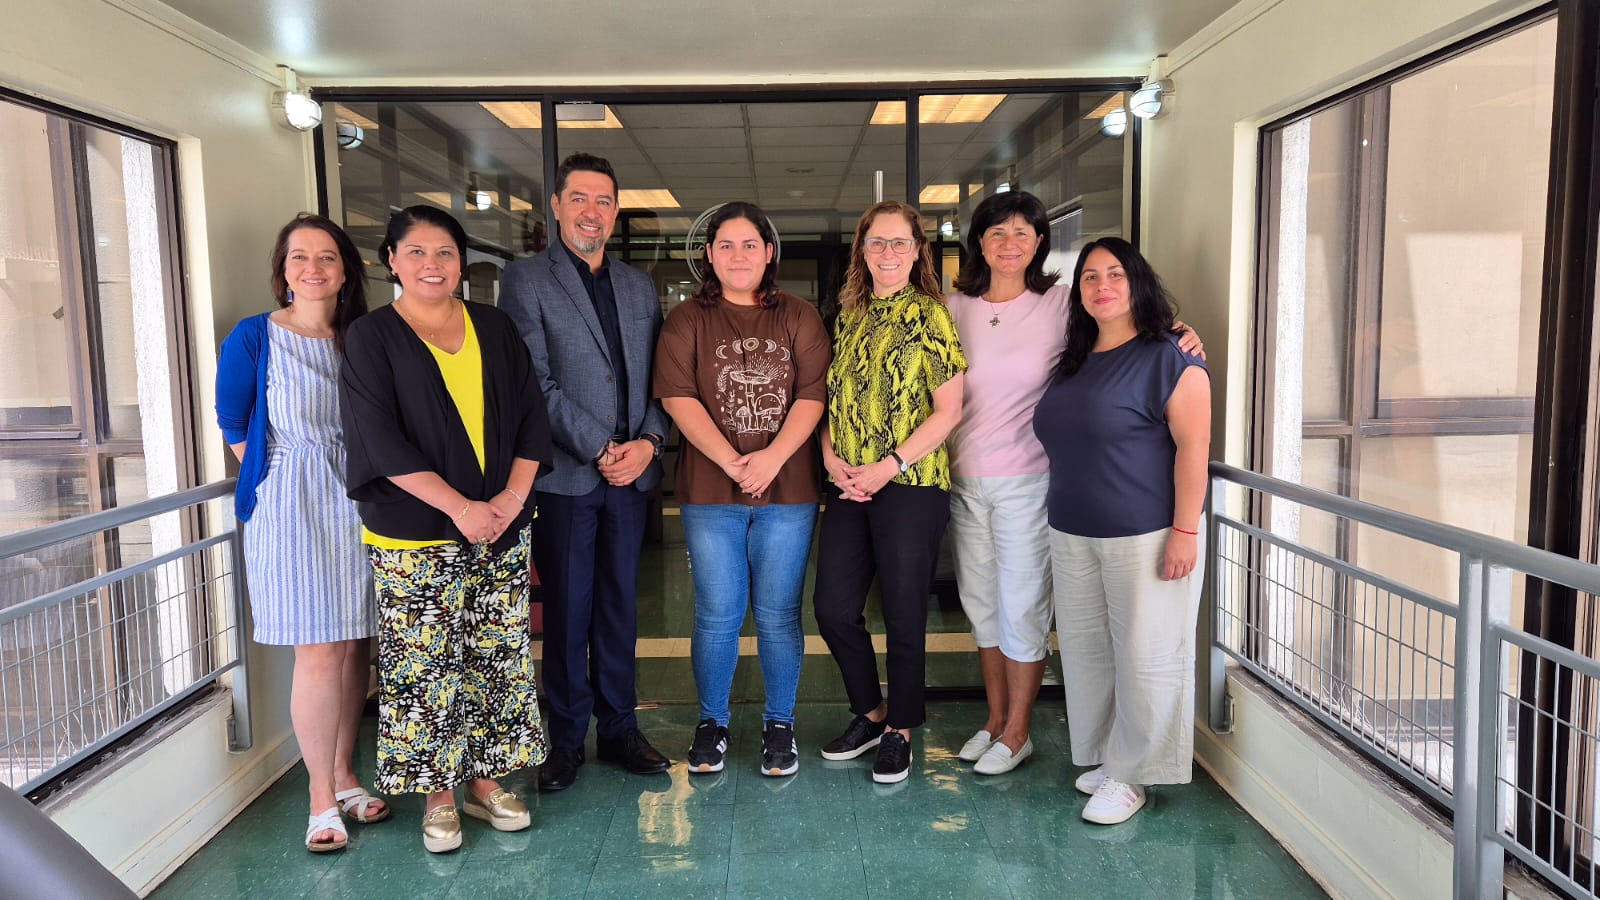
<point>828,832</point>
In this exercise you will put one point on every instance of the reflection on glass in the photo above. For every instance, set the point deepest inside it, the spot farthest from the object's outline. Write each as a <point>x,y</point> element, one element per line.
<point>35,390</point>
<point>1048,144</point>
<point>1468,164</point>
<point>483,162</point>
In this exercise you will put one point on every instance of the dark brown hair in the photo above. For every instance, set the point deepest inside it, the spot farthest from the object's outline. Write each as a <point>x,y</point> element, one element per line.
<point>352,302</point>
<point>709,293</point>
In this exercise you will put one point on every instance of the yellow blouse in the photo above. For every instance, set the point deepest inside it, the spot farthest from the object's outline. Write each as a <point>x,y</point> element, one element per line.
<point>887,361</point>
<point>463,378</point>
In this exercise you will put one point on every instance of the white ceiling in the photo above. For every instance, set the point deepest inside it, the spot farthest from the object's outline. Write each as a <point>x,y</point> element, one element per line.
<point>622,42</point>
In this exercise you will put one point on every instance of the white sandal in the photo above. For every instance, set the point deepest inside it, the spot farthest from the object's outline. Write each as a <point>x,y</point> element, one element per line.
<point>327,820</point>
<point>357,804</point>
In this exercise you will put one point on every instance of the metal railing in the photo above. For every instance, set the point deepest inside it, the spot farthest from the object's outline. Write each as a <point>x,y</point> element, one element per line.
<point>1425,684</point>
<point>88,655</point>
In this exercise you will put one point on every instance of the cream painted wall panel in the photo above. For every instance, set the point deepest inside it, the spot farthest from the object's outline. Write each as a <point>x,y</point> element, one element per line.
<point>241,177</point>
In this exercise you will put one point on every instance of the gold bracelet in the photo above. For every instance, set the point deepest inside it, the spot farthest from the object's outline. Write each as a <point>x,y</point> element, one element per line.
<point>520,499</point>
<point>457,516</point>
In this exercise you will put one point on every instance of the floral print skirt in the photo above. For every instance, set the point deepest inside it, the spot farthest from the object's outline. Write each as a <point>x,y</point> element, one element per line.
<point>456,697</point>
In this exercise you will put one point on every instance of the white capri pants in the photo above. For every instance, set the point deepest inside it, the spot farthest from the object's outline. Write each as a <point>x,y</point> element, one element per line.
<point>1001,543</point>
<point>1127,654</point>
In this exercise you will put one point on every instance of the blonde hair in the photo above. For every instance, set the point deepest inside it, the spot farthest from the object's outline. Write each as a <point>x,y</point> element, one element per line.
<point>857,290</point>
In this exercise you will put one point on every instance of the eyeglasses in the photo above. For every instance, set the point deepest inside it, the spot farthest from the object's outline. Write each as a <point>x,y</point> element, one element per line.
<point>898,245</point>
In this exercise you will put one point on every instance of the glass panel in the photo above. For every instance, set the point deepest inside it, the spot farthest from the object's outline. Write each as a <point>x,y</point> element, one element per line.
<point>1468,161</point>
<point>35,387</point>
<point>973,145</point>
<point>484,162</point>
<point>811,166</point>
<point>1329,185</point>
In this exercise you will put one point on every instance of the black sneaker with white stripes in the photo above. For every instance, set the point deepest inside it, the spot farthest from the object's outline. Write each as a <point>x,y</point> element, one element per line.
<point>709,747</point>
<point>780,755</point>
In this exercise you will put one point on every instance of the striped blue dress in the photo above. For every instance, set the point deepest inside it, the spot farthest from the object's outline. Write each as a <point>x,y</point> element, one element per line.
<point>309,578</point>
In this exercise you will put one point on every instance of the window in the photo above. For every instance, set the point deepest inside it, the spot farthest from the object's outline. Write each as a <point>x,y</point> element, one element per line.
<point>1402,252</point>
<point>95,408</point>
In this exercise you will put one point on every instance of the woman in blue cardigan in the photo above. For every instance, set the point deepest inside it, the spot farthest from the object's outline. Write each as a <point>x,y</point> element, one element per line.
<point>310,585</point>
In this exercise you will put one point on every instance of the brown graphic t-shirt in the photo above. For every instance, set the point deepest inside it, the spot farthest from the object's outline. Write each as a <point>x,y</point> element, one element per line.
<point>747,365</point>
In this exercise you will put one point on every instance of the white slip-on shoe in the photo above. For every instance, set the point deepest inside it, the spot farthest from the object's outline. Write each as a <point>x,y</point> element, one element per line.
<point>1000,760</point>
<point>976,746</point>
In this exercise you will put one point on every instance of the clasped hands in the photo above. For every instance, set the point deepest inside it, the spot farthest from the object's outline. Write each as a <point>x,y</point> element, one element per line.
<point>860,483</point>
<point>483,522</point>
<point>622,464</point>
<point>753,472</point>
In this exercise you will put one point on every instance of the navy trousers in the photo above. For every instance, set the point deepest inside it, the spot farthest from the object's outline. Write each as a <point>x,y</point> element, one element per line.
<point>587,551</point>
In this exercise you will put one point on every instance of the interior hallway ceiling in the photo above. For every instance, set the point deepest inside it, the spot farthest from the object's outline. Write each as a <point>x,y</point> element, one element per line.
<point>613,42</point>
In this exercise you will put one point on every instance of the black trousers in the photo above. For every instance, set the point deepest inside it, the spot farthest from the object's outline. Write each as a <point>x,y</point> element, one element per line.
<point>894,536</point>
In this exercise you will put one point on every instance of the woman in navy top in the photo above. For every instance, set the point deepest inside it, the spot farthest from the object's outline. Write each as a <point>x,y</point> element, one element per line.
<point>1126,424</point>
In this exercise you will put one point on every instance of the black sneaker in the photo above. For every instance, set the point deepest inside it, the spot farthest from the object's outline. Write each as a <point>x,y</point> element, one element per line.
<point>894,759</point>
<point>862,735</point>
<point>779,753</point>
<point>710,745</point>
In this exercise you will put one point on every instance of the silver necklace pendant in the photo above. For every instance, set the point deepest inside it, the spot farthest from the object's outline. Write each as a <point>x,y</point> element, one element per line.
<point>994,322</point>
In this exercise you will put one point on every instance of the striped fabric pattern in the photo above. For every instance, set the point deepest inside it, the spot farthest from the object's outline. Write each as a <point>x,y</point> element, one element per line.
<point>307,571</point>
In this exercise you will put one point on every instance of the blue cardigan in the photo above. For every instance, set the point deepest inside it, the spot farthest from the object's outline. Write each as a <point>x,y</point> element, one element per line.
<point>242,405</point>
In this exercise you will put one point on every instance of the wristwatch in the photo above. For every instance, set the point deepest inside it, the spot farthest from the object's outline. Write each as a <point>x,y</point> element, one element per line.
<point>655,442</point>
<point>899,461</point>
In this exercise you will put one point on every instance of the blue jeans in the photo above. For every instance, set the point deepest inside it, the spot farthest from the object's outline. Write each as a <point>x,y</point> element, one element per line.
<point>743,556</point>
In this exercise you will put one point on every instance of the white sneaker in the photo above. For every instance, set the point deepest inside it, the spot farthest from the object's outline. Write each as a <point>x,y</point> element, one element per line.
<point>1089,782</point>
<point>976,746</point>
<point>1000,760</point>
<point>1113,802</point>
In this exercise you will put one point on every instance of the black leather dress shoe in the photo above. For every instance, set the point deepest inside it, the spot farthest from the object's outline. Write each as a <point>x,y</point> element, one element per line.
<point>633,751</point>
<point>560,770</point>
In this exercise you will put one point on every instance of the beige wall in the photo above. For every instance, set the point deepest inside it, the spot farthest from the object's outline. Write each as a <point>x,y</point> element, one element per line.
<point>241,177</point>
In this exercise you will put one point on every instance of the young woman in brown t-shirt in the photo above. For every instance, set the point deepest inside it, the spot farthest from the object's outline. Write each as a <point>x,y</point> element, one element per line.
<point>741,369</point>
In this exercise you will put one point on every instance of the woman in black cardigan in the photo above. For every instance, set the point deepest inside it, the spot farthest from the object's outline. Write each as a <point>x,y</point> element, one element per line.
<point>446,429</point>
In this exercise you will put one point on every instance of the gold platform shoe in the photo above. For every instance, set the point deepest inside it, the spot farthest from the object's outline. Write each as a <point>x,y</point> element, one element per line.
<point>503,811</point>
<point>441,829</point>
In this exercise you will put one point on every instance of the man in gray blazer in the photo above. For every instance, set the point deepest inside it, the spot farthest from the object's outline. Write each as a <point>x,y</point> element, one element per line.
<point>590,324</point>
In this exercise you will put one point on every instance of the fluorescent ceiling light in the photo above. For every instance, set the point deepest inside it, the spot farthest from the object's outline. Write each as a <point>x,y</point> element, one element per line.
<point>646,198</point>
<point>1112,102</point>
<point>520,205</point>
<point>939,109</point>
<point>516,113</point>
<point>527,114</point>
<point>946,194</point>
<point>349,115</point>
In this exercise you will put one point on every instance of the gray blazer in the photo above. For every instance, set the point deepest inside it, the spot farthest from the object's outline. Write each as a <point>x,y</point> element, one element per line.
<point>571,362</point>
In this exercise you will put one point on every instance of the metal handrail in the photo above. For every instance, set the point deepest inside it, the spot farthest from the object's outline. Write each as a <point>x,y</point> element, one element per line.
<point>107,519</point>
<point>1564,569</point>
<point>1483,634</point>
<point>46,536</point>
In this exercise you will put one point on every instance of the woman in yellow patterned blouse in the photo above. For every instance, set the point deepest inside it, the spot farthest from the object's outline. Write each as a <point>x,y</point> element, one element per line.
<point>894,393</point>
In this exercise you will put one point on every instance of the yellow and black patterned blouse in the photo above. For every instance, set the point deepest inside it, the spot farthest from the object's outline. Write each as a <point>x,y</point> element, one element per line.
<point>887,360</point>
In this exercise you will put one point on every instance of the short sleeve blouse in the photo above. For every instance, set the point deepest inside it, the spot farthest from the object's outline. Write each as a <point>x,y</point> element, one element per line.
<point>887,361</point>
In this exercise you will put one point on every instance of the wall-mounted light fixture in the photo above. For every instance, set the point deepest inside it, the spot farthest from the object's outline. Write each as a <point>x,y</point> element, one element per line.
<point>293,107</point>
<point>350,134</point>
<point>1147,102</point>
<point>1115,123</point>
